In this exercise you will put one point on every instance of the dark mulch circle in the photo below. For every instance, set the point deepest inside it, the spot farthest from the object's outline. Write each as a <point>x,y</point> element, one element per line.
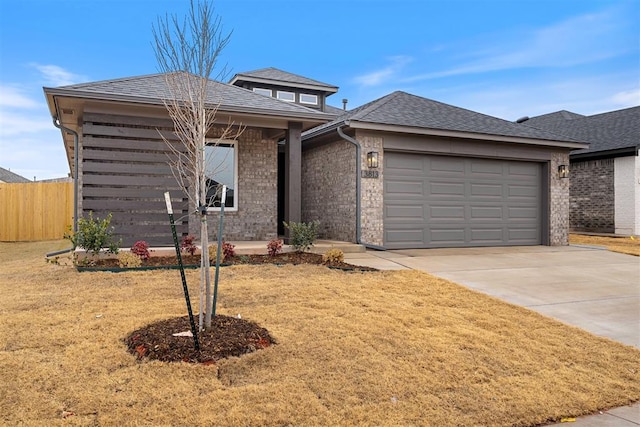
<point>228,337</point>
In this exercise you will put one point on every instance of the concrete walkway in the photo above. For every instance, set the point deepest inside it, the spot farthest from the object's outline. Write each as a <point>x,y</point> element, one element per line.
<point>587,287</point>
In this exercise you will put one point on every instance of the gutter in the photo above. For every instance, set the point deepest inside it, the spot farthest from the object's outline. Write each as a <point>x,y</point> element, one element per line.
<point>358,190</point>
<point>560,142</point>
<point>57,123</point>
<point>606,154</point>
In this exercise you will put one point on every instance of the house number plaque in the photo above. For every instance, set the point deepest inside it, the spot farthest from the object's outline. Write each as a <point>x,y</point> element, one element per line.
<point>370,174</point>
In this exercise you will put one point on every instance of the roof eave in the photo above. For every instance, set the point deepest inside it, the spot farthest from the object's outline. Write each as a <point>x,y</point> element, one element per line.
<point>461,134</point>
<point>322,88</point>
<point>605,154</point>
<point>52,92</point>
<point>314,133</point>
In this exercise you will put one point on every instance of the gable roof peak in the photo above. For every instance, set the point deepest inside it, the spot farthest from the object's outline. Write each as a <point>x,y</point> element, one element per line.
<point>272,75</point>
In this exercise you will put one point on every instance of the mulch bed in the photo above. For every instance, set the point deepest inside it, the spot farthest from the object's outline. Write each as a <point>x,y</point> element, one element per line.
<point>228,337</point>
<point>279,259</point>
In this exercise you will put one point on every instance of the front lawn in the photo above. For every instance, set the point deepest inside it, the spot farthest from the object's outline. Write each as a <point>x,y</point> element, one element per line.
<point>624,245</point>
<point>376,348</point>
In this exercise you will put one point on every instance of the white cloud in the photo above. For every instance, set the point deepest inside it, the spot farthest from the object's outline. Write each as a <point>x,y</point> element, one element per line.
<point>12,124</point>
<point>30,145</point>
<point>12,97</point>
<point>385,74</point>
<point>579,40</point>
<point>587,95</point>
<point>40,154</point>
<point>55,75</point>
<point>627,98</point>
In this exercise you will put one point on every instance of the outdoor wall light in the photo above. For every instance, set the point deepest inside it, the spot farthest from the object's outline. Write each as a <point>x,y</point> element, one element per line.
<point>563,171</point>
<point>372,159</point>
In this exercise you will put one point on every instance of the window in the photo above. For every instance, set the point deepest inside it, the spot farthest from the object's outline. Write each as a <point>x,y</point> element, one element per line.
<point>286,96</point>
<point>306,98</point>
<point>221,168</point>
<point>262,91</point>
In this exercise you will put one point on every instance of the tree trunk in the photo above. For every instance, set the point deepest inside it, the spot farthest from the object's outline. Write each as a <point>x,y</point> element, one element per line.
<point>203,229</point>
<point>204,266</point>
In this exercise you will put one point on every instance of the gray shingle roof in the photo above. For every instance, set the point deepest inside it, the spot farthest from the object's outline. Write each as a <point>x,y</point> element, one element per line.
<point>10,177</point>
<point>552,118</point>
<point>278,76</point>
<point>153,88</point>
<point>614,130</point>
<point>403,109</point>
<point>330,109</point>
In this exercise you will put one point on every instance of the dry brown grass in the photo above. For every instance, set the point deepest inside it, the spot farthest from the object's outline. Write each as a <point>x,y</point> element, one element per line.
<point>625,245</point>
<point>387,348</point>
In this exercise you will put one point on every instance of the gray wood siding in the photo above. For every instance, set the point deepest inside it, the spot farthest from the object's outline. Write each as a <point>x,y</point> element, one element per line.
<point>126,172</point>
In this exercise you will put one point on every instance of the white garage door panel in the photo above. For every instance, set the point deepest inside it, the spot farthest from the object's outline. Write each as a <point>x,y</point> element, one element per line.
<point>443,201</point>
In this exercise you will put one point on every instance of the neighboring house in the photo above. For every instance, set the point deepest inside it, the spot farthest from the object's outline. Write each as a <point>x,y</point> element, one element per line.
<point>10,177</point>
<point>605,178</point>
<point>446,177</point>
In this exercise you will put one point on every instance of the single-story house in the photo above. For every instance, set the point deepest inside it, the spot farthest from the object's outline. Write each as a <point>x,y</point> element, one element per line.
<point>399,172</point>
<point>605,178</point>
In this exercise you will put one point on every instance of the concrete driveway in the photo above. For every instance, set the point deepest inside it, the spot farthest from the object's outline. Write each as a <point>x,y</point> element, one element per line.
<point>591,288</point>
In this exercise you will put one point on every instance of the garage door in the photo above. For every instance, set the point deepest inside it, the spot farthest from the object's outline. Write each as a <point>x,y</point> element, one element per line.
<point>440,201</point>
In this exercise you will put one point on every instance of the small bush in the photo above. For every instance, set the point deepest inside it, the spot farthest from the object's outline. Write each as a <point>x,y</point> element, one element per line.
<point>93,235</point>
<point>188,244</point>
<point>141,248</point>
<point>228,250</point>
<point>274,247</point>
<point>302,234</point>
<point>129,259</point>
<point>213,254</point>
<point>333,256</point>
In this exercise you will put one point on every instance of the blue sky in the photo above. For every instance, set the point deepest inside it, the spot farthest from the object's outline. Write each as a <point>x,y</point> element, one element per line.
<point>504,58</point>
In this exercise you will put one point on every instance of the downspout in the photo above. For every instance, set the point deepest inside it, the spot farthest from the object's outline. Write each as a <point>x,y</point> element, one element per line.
<point>57,123</point>
<point>358,189</point>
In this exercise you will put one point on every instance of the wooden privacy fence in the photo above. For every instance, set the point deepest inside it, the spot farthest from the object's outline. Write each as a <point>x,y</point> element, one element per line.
<point>35,210</point>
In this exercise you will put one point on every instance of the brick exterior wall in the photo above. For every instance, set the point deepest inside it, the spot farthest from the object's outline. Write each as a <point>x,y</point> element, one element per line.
<point>256,217</point>
<point>558,202</point>
<point>592,196</point>
<point>372,190</point>
<point>331,166</point>
<point>329,189</point>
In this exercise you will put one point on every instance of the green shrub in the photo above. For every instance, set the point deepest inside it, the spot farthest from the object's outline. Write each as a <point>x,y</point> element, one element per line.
<point>94,234</point>
<point>333,256</point>
<point>129,259</point>
<point>302,235</point>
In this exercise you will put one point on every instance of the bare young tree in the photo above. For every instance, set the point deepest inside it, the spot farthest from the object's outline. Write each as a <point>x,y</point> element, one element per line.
<point>187,53</point>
